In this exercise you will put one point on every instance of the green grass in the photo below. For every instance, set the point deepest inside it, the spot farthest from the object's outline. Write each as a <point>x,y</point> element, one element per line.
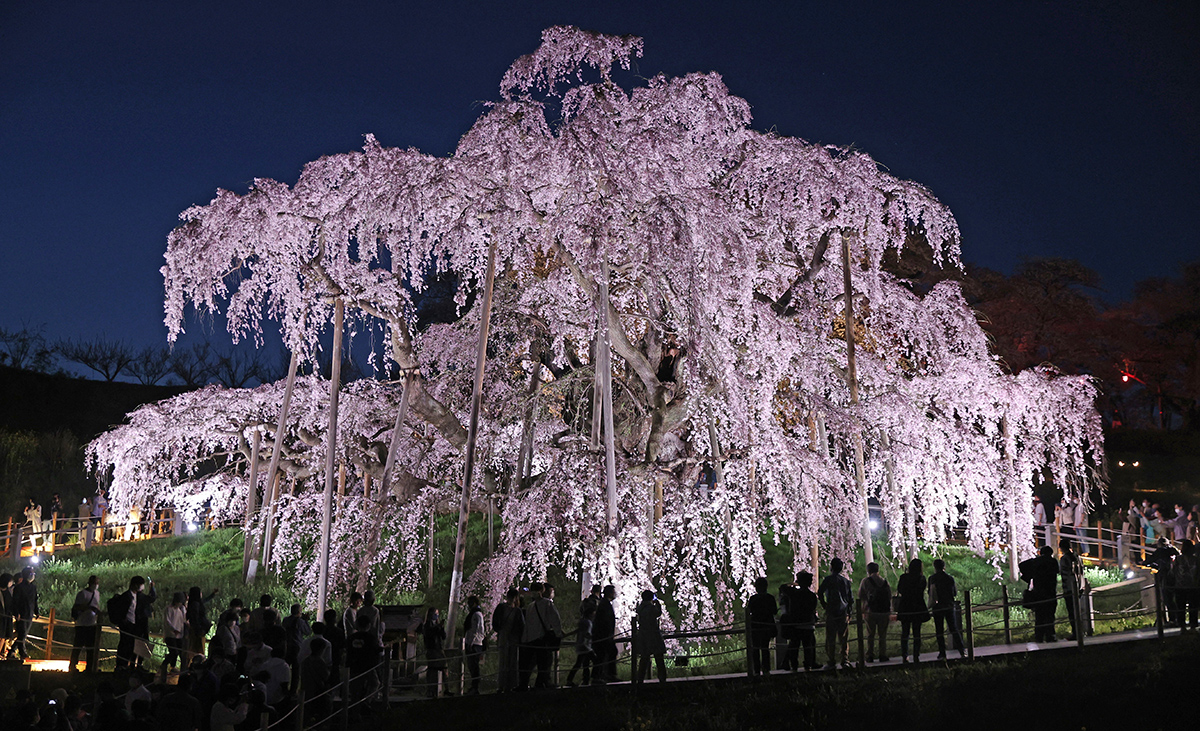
<point>210,560</point>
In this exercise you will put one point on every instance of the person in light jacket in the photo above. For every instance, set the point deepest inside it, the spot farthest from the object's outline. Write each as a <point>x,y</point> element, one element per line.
<point>473,640</point>
<point>86,612</point>
<point>543,632</point>
<point>175,628</point>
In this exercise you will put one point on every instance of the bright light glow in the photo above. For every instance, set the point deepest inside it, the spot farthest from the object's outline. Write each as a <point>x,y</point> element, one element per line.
<point>1120,463</point>
<point>1125,378</point>
<point>1130,573</point>
<point>874,524</point>
<point>191,527</point>
<point>35,558</point>
<point>1137,464</point>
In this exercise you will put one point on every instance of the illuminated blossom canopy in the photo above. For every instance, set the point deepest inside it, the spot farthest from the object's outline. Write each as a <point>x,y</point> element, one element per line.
<point>714,239</point>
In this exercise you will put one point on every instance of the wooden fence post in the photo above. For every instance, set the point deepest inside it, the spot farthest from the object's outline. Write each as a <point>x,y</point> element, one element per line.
<point>300,710</point>
<point>94,661</point>
<point>862,652</point>
<point>749,648</point>
<point>50,635</point>
<point>970,626</point>
<point>1158,605</point>
<point>387,676</point>
<point>344,721</point>
<point>1081,617</point>
<point>264,721</point>
<point>635,677</point>
<point>8,536</point>
<point>15,554</point>
<point>1007,621</point>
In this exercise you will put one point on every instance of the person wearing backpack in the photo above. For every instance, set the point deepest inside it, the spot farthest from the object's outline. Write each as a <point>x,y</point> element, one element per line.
<point>86,613</point>
<point>836,596</point>
<point>876,597</point>
<point>942,593</point>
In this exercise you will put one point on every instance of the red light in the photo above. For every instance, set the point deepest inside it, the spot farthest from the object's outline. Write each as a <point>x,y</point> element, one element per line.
<point>1125,378</point>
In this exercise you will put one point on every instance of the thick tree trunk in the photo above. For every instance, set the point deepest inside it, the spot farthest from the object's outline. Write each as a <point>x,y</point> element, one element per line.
<point>464,506</point>
<point>852,377</point>
<point>375,528</point>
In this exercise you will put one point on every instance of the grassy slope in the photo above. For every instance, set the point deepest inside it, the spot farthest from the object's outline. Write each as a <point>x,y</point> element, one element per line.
<point>209,560</point>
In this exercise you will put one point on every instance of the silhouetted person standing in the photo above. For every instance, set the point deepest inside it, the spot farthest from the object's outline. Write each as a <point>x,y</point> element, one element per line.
<point>1070,568</point>
<point>836,597</point>
<point>912,610</point>
<point>25,608</point>
<point>942,594</point>
<point>132,611</point>
<point>86,612</point>
<point>508,622</point>
<point>876,597</point>
<point>1186,574</point>
<point>761,609</point>
<point>604,634</point>
<point>803,606</point>
<point>1042,574</point>
<point>650,639</point>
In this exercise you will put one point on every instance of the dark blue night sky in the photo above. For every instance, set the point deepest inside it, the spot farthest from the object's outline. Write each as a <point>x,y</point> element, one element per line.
<point>1050,129</point>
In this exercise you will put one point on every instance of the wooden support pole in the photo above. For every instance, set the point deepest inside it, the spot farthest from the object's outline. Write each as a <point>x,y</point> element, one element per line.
<point>394,445</point>
<point>491,508</point>
<point>50,634</point>
<point>251,496</point>
<point>610,455</point>
<point>970,625</point>
<point>464,505</point>
<point>525,455</point>
<point>1011,484</point>
<point>330,455</point>
<point>272,490</point>
<point>429,552</point>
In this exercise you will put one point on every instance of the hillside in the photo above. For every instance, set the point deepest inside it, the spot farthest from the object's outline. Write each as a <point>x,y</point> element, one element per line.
<point>40,402</point>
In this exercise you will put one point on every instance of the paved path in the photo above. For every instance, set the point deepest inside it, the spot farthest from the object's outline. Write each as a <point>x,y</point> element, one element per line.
<point>928,660</point>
